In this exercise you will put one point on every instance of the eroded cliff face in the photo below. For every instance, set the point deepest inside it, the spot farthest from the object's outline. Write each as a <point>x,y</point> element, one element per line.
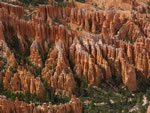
<point>95,57</point>
<point>13,9</point>
<point>7,106</point>
<point>58,43</point>
<point>120,4</point>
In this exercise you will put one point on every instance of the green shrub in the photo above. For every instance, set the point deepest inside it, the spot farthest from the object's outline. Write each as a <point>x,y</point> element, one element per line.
<point>70,61</point>
<point>67,70</point>
<point>84,82</point>
<point>128,40</point>
<point>59,1</point>
<point>13,70</point>
<point>73,5</point>
<point>51,97</point>
<point>148,6</point>
<point>56,20</point>
<point>81,86</point>
<point>21,97</point>
<point>82,1</point>
<point>144,11</point>
<point>1,85</point>
<point>27,18</point>
<point>34,2</point>
<point>27,96</point>
<point>77,29</point>
<point>148,94</point>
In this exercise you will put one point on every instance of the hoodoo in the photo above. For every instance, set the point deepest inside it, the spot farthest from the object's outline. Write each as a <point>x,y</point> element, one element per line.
<point>74,56</point>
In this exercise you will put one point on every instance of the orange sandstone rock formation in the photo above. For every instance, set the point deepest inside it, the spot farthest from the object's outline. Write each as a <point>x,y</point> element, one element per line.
<point>94,56</point>
<point>6,106</point>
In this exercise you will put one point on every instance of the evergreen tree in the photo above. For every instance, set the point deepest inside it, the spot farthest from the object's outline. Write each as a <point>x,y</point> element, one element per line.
<point>1,85</point>
<point>27,96</point>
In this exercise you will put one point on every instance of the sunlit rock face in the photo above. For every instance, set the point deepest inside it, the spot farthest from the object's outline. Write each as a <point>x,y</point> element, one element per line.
<point>91,59</point>
<point>17,106</point>
<point>55,44</point>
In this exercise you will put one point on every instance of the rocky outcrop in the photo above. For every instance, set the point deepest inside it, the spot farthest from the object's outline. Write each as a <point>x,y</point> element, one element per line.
<point>60,43</point>
<point>90,21</point>
<point>1,31</point>
<point>35,55</point>
<point>57,72</point>
<point>95,57</point>
<point>13,10</point>
<point>23,81</point>
<point>96,61</point>
<point>48,11</point>
<point>128,75</point>
<point>85,64</point>
<point>91,59</point>
<point>73,106</point>
<point>148,109</point>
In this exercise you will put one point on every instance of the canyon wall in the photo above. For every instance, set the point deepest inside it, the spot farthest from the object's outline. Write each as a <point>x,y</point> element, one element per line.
<point>96,57</point>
